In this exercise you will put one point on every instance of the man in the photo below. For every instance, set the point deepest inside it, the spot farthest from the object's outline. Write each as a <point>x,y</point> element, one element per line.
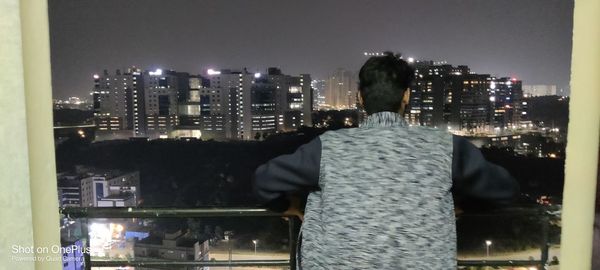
<point>381,195</point>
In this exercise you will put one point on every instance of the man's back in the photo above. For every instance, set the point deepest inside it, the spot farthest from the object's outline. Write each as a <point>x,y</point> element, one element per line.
<point>381,195</point>
<point>384,199</point>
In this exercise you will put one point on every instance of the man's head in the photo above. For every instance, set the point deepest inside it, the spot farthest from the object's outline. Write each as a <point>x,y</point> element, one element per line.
<point>383,83</point>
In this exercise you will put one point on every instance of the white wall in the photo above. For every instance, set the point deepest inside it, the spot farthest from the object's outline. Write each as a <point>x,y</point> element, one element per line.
<point>15,202</point>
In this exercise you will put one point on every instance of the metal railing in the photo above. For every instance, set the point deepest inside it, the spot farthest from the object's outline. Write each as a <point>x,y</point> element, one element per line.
<point>124,212</point>
<point>93,212</point>
<point>539,213</point>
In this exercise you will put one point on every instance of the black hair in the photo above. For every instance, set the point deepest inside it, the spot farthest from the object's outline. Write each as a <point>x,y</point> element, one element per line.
<point>382,82</point>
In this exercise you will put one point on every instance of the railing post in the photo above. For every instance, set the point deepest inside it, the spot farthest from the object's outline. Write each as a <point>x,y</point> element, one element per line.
<point>545,246</point>
<point>293,234</point>
<point>230,253</point>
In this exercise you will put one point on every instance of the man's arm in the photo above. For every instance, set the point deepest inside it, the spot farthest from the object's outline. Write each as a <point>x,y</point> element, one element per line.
<point>287,174</point>
<point>477,181</point>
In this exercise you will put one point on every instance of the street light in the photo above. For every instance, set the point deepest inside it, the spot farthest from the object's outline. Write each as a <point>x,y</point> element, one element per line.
<point>488,243</point>
<point>255,242</point>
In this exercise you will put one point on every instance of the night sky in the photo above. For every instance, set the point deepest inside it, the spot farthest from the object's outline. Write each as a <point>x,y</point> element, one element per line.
<point>527,39</point>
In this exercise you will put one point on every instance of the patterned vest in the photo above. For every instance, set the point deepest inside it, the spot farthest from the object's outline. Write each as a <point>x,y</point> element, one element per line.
<point>384,200</point>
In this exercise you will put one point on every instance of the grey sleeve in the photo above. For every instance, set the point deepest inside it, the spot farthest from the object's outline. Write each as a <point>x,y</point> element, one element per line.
<point>477,181</point>
<point>287,174</point>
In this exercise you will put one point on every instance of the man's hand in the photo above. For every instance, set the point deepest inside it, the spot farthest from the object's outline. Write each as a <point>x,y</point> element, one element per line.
<point>295,208</point>
<point>458,211</point>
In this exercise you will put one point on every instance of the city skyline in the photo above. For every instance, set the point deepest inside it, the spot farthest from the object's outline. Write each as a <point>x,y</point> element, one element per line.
<point>244,104</point>
<point>307,37</point>
<point>216,105</point>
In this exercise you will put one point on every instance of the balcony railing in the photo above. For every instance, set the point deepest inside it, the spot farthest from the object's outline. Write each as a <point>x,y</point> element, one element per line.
<point>293,229</point>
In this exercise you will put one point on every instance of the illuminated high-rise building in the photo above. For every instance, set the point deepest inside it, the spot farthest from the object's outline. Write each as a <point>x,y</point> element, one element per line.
<point>263,103</point>
<point>318,87</point>
<point>472,100</point>
<point>506,100</point>
<point>118,101</point>
<point>341,90</point>
<point>135,103</point>
<point>222,104</point>
<point>234,86</point>
<point>263,99</point>
<point>294,99</point>
<point>540,90</point>
<point>204,114</point>
<point>453,97</point>
<point>160,96</point>
<point>436,94</point>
